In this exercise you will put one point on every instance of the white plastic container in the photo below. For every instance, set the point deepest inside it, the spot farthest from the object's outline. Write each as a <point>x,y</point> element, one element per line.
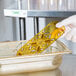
<point>71,5</point>
<point>10,63</point>
<point>43,4</point>
<point>62,5</point>
<point>53,5</point>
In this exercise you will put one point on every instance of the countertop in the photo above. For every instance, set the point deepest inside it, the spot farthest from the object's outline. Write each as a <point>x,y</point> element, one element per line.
<point>67,68</point>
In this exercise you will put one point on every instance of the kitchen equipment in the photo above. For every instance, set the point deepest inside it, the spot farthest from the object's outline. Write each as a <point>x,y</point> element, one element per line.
<point>43,4</point>
<point>24,4</point>
<point>10,63</point>
<point>62,5</point>
<point>71,5</point>
<point>53,5</point>
<point>33,4</point>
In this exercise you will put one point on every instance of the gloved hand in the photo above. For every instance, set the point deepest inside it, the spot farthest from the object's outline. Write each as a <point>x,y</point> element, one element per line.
<point>70,25</point>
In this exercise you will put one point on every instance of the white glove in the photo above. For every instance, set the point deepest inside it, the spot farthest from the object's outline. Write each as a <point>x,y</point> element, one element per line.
<point>70,25</point>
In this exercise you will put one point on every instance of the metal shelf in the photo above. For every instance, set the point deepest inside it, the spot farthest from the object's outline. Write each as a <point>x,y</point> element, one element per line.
<point>50,13</point>
<point>37,13</point>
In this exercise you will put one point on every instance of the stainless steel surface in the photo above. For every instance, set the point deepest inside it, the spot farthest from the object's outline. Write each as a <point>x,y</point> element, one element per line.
<point>50,13</point>
<point>68,67</point>
<point>36,25</point>
<point>22,25</point>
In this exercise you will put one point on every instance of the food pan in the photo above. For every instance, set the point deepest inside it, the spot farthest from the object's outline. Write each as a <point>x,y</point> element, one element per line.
<point>50,59</point>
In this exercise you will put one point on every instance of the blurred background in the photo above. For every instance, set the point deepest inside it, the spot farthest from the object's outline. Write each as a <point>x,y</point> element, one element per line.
<point>9,26</point>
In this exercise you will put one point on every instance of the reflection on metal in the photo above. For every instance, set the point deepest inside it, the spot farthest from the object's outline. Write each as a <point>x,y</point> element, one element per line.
<point>22,25</point>
<point>36,25</point>
<point>50,13</point>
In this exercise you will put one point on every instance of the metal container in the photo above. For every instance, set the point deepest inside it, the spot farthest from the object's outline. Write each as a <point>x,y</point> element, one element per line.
<point>71,5</point>
<point>33,4</point>
<point>43,4</point>
<point>62,5</point>
<point>53,6</point>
